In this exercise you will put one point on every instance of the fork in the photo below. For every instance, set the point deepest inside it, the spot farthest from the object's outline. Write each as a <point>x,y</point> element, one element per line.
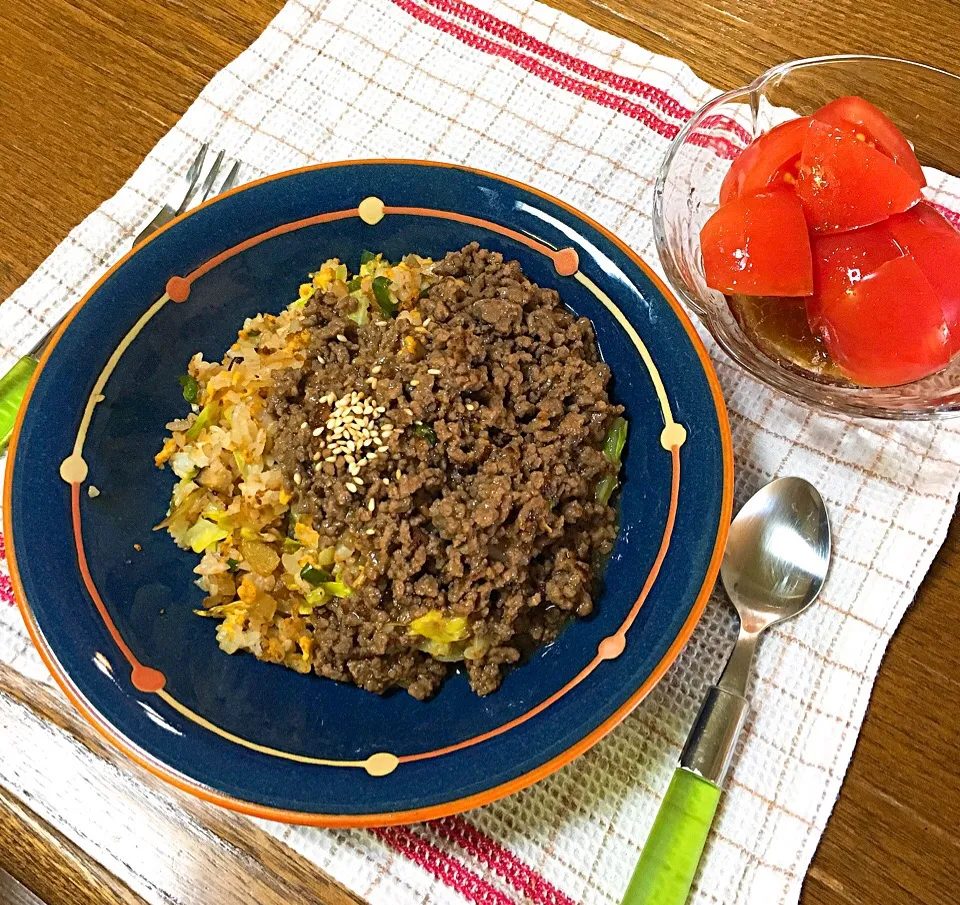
<point>13,384</point>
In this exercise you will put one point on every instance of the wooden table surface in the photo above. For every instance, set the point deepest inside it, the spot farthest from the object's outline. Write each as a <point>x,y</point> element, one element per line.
<point>88,87</point>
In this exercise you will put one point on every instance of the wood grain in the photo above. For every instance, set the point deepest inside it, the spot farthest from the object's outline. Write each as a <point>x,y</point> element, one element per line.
<point>14,893</point>
<point>87,88</point>
<point>138,835</point>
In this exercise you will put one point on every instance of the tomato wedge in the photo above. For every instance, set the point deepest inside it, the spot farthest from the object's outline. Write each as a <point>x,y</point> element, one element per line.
<point>845,184</point>
<point>859,115</point>
<point>758,245</point>
<point>934,244</point>
<point>768,161</point>
<point>888,329</point>
<point>841,260</point>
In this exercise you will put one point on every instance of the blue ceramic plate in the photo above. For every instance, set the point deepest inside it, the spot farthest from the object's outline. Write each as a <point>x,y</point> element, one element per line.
<point>115,623</point>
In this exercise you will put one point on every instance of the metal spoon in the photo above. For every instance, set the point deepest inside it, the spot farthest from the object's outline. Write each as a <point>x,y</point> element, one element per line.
<point>775,564</point>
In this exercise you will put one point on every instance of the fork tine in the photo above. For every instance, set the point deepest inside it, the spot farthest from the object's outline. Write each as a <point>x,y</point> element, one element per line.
<point>231,179</point>
<point>190,180</point>
<point>207,186</point>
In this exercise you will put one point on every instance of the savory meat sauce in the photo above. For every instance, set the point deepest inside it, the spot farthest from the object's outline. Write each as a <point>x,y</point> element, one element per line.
<point>482,507</point>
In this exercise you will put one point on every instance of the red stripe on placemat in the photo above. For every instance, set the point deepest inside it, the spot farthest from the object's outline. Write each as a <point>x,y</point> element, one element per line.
<point>541,70</point>
<point>501,861</point>
<point>952,216</point>
<point>446,869</point>
<point>554,77</point>
<point>519,38</point>
<point>6,588</point>
<point>507,32</point>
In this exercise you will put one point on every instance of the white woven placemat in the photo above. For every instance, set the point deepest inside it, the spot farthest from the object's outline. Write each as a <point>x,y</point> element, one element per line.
<point>538,96</point>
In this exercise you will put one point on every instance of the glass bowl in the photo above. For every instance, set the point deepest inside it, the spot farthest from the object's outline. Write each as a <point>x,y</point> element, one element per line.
<point>920,99</point>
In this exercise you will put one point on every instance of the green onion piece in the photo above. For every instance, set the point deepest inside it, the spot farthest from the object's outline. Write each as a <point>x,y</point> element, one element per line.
<point>191,389</point>
<point>314,576</point>
<point>614,442</point>
<point>605,489</point>
<point>336,588</point>
<point>317,597</point>
<point>424,292</point>
<point>208,414</point>
<point>291,524</point>
<point>340,273</point>
<point>232,564</point>
<point>290,545</point>
<point>381,292</point>
<point>425,432</point>
<point>253,334</point>
<point>366,257</point>
<point>354,284</point>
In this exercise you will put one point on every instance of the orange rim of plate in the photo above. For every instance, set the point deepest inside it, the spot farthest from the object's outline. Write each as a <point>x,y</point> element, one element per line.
<point>444,809</point>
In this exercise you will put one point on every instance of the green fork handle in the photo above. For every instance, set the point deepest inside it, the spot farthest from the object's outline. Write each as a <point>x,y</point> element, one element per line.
<point>13,387</point>
<point>668,864</point>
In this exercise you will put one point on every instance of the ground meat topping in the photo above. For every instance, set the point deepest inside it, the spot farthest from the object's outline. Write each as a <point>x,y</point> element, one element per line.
<point>456,450</point>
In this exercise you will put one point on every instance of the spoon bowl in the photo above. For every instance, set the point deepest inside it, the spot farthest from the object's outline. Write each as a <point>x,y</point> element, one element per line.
<point>777,555</point>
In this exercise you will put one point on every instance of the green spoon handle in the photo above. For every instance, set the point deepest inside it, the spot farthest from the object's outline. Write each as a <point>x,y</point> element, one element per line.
<point>669,860</point>
<point>13,387</point>
<point>668,863</point>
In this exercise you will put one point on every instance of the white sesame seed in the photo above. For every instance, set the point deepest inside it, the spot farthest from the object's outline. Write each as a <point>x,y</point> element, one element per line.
<point>381,449</point>
<point>354,469</point>
<point>359,482</point>
<point>420,329</point>
<point>414,383</point>
<point>371,531</point>
<point>376,369</point>
<point>373,383</point>
<point>371,456</point>
<point>304,426</point>
<point>351,445</point>
<point>341,337</point>
<point>371,504</point>
<point>330,459</point>
<point>409,412</point>
<point>350,459</point>
<point>435,371</point>
<point>380,410</point>
<point>297,479</point>
<point>316,457</point>
<point>399,474</point>
<point>470,406</point>
<point>351,487</point>
<point>382,323</point>
<point>426,323</point>
<point>320,359</point>
<point>317,431</point>
<point>386,481</point>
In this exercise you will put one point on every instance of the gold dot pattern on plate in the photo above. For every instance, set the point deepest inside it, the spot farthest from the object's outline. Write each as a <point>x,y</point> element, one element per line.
<point>370,210</point>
